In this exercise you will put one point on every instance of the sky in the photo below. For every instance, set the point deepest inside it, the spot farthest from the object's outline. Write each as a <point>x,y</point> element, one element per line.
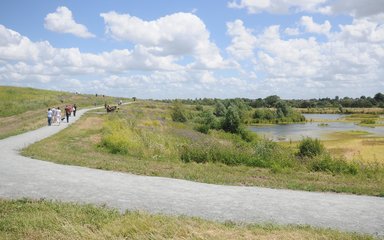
<point>296,49</point>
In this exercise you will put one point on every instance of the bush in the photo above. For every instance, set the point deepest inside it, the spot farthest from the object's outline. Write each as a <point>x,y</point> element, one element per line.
<point>231,121</point>
<point>264,154</point>
<point>326,163</point>
<point>206,122</point>
<point>220,109</point>
<point>178,113</point>
<point>309,147</point>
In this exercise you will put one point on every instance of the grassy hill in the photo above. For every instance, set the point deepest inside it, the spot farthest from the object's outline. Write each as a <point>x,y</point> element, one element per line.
<point>24,109</point>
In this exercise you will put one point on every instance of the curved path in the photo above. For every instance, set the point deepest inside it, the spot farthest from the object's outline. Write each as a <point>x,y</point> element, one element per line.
<point>25,177</point>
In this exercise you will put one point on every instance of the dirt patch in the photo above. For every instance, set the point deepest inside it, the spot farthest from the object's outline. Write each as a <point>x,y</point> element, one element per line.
<point>372,142</point>
<point>91,123</point>
<point>95,139</point>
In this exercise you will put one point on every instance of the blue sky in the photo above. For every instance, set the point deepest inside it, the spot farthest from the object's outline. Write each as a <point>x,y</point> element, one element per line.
<point>194,49</point>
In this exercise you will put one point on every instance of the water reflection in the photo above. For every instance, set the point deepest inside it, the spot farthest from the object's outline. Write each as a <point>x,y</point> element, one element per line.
<point>297,132</point>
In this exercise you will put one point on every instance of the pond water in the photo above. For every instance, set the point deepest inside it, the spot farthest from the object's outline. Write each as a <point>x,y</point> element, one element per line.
<point>295,132</point>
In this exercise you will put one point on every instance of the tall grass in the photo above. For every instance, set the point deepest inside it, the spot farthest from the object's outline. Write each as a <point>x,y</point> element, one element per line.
<point>29,219</point>
<point>126,137</point>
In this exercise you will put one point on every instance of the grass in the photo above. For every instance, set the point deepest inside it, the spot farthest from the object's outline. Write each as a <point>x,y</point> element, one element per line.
<point>357,146</point>
<point>31,219</point>
<point>24,109</point>
<point>156,147</point>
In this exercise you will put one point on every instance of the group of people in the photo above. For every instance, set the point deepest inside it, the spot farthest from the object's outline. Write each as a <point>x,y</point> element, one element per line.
<point>54,114</point>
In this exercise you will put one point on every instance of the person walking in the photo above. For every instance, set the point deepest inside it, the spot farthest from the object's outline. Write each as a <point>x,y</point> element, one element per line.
<point>49,115</point>
<point>67,112</point>
<point>74,109</point>
<point>58,115</point>
<point>53,115</point>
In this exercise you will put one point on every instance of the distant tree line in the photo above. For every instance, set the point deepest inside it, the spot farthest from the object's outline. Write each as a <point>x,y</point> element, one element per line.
<point>273,100</point>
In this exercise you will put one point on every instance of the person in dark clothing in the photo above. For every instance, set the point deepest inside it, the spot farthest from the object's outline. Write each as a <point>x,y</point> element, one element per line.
<point>74,110</point>
<point>68,110</point>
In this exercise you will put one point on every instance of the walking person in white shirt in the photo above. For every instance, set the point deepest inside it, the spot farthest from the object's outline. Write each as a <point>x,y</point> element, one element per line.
<point>58,115</point>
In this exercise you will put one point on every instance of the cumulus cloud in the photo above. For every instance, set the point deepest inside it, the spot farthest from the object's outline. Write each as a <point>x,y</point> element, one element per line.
<point>277,6</point>
<point>137,70</point>
<point>352,58</point>
<point>362,30</point>
<point>358,8</point>
<point>62,21</point>
<point>355,8</point>
<point>312,27</point>
<point>292,31</point>
<point>243,41</point>
<point>179,34</point>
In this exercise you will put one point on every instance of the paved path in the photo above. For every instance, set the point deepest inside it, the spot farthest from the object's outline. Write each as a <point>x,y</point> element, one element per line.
<point>25,177</point>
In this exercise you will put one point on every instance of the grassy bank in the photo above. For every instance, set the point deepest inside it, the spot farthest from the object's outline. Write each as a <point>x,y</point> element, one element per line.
<point>24,109</point>
<point>27,219</point>
<point>143,139</point>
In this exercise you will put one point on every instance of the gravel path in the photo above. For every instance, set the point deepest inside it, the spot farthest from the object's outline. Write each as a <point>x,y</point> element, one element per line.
<point>25,177</point>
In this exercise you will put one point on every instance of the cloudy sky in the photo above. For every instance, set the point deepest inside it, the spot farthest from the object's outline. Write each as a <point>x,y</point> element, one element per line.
<point>195,48</point>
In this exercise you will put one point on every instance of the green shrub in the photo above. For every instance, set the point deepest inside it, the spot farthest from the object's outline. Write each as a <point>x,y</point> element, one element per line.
<point>309,147</point>
<point>199,108</point>
<point>231,122</point>
<point>178,113</point>
<point>326,163</point>
<point>265,154</point>
<point>220,109</point>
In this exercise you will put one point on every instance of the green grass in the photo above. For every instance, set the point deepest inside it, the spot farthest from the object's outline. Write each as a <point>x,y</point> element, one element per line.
<point>24,109</point>
<point>30,219</point>
<point>142,139</point>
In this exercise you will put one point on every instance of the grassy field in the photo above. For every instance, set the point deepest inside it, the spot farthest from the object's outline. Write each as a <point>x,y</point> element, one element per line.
<point>24,109</point>
<point>142,139</point>
<point>27,219</point>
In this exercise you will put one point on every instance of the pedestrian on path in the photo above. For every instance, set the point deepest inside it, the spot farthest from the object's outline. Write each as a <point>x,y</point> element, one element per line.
<point>54,115</point>
<point>58,115</point>
<point>49,115</point>
<point>68,110</point>
<point>74,109</point>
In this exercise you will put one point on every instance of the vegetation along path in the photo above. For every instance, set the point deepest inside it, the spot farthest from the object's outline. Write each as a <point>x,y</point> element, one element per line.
<point>24,177</point>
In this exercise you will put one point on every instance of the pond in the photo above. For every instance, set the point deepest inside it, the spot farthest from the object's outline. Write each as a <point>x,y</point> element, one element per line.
<point>296,132</point>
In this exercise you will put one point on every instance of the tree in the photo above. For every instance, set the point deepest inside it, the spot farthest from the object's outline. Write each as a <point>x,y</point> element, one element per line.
<point>379,97</point>
<point>283,108</point>
<point>272,100</point>
<point>220,109</point>
<point>231,121</point>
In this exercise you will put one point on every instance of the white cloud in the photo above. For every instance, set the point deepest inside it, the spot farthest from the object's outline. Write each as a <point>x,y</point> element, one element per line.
<point>277,6</point>
<point>62,21</point>
<point>362,30</point>
<point>358,8</point>
<point>292,31</point>
<point>352,58</point>
<point>312,27</point>
<point>179,34</point>
<point>243,42</point>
